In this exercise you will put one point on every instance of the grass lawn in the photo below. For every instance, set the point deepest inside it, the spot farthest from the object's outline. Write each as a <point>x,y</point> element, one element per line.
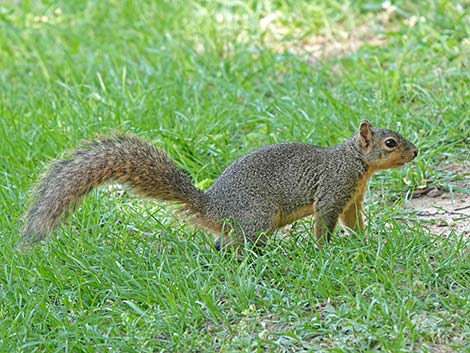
<point>210,81</point>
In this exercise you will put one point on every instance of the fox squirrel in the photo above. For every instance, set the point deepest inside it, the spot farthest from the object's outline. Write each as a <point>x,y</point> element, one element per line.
<point>258,193</point>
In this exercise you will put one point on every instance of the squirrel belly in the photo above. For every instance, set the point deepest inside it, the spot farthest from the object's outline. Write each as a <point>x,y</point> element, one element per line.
<point>258,193</point>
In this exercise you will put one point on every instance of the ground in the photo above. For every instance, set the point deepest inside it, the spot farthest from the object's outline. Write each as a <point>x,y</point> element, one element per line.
<point>445,208</point>
<point>209,81</point>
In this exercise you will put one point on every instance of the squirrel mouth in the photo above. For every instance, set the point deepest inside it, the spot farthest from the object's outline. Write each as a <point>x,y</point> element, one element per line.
<point>401,163</point>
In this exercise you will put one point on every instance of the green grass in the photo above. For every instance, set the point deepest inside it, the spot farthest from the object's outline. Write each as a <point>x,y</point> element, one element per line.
<point>208,82</point>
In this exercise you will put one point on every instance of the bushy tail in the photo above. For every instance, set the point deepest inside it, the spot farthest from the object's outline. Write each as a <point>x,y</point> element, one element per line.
<point>125,159</point>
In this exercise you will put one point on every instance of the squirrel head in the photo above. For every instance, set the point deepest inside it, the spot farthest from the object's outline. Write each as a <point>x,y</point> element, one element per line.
<point>383,148</point>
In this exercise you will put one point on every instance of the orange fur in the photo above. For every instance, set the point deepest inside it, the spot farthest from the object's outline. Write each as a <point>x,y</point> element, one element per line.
<point>283,219</point>
<point>351,217</point>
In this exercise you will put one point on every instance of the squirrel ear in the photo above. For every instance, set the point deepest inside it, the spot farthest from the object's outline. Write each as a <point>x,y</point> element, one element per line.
<point>365,133</point>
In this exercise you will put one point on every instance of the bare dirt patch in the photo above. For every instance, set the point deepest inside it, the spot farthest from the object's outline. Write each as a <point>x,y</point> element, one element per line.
<point>437,348</point>
<point>318,47</point>
<point>280,33</point>
<point>339,43</point>
<point>443,209</point>
<point>442,212</point>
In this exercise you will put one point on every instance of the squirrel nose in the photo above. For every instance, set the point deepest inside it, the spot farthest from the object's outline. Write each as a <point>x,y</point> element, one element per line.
<point>415,152</point>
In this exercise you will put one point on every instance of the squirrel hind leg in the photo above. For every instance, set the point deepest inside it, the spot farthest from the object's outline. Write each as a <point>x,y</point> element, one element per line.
<point>228,239</point>
<point>227,236</point>
<point>236,234</point>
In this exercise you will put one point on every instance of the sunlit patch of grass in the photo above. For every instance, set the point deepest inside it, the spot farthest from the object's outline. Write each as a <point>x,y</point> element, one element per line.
<point>204,81</point>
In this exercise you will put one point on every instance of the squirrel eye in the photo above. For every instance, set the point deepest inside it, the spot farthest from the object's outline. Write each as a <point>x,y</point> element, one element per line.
<point>391,143</point>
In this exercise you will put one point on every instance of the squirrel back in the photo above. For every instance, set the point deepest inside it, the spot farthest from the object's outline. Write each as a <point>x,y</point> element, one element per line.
<point>258,193</point>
